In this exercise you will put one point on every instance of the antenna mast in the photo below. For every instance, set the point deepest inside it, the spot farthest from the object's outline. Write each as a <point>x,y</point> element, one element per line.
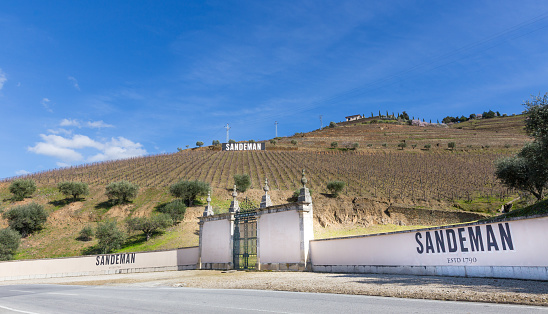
<point>276,124</point>
<point>321,123</point>
<point>227,128</point>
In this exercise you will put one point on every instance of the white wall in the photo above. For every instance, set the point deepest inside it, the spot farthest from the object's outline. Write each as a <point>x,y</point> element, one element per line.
<point>185,258</point>
<point>516,243</point>
<point>216,241</point>
<point>279,237</point>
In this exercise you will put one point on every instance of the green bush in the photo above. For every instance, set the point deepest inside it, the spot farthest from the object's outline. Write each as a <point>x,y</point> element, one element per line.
<point>149,225</point>
<point>332,124</point>
<point>199,144</point>
<point>121,191</point>
<point>26,219</point>
<point>402,145</point>
<point>273,142</point>
<point>176,209</point>
<point>427,146</point>
<point>189,190</point>
<point>334,144</point>
<point>451,145</point>
<point>86,233</point>
<point>335,187</point>
<point>293,142</point>
<point>110,236</point>
<point>22,188</point>
<point>9,243</point>
<point>73,189</point>
<point>242,182</point>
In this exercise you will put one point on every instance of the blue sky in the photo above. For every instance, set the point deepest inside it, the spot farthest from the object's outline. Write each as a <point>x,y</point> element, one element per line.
<point>88,81</point>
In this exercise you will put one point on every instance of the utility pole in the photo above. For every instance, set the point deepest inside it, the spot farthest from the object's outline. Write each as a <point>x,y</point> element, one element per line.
<point>276,124</point>
<point>227,128</point>
<point>321,123</point>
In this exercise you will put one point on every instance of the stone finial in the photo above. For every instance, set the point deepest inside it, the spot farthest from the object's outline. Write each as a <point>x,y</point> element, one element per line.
<point>266,188</point>
<point>265,201</point>
<point>208,211</point>
<point>304,195</point>
<point>234,205</point>
<point>303,180</point>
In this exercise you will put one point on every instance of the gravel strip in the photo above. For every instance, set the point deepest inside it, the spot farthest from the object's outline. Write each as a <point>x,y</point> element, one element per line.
<point>417,287</point>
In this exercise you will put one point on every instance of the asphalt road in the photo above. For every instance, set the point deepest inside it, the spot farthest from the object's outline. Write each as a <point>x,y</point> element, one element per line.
<point>101,299</point>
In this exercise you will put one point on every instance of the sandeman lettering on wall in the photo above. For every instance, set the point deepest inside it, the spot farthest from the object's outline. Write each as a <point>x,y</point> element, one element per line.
<point>115,259</point>
<point>480,238</point>
<point>243,146</point>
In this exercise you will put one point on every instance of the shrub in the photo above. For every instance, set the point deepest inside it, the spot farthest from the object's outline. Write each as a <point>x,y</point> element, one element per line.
<point>369,145</point>
<point>189,190</point>
<point>199,144</point>
<point>9,243</point>
<point>215,143</point>
<point>22,188</point>
<point>383,144</point>
<point>73,189</point>
<point>273,142</point>
<point>176,209</point>
<point>26,218</point>
<point>251,141</point>
<point>451,145</point>
<point>293,142</point>
<point>332,124</point>
<point>402,145</point>
<point>149,225</point>
<point>121,191</point>
<point>242,182</point>
<point>110,236</point>
<point>355,146</point>
<point>231,141</point>
<point>335,187</point>
<point>427,146</point>
<point>334,144</point>
<point>86,233</point>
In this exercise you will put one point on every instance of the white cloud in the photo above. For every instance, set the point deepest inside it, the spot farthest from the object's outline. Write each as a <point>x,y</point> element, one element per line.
<point>90,124</point>
<point>3,79</point>
<point>74,82</point>
<point>98,124</point>
<point>119,148</point>
<point>21,172</point>
<point>72,150</point>
<point>45,102</point>
<point>69,122</point>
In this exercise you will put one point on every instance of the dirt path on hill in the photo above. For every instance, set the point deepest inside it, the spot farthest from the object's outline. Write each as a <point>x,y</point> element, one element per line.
<point>416,287</point>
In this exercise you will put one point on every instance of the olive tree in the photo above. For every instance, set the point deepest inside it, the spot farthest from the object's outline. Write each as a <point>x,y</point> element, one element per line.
<point>110,236</point>
<point>189,190</point>
<point>22,188</point>
<point>149,225</point>
<point>528,170</point>
<point>121,191</point>
<point>335,187</point>
<point>9,243</point>
<point>176,209</point>
<point>242,182</point>
<point>26,219</point>
<point>73,189</point>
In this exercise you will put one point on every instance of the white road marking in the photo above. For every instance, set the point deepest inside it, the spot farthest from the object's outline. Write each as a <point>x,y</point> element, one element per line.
<point>15,310</point>
<point>60,293</point>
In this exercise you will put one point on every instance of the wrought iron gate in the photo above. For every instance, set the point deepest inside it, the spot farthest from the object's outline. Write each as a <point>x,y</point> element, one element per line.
<point>245,237</point>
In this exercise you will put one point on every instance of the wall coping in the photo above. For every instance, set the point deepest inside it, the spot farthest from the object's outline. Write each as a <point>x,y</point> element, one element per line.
<point>258,211</point>
<point>465,224</point>
<point>82,256</point>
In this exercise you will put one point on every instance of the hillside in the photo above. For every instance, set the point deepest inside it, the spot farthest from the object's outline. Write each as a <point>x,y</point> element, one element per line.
<point>378,174</point>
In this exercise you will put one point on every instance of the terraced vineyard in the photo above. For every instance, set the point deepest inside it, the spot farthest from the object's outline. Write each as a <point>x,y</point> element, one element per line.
<point>441,175</point>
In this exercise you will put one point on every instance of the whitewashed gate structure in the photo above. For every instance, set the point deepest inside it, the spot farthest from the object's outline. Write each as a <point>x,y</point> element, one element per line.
<point>267,238</point>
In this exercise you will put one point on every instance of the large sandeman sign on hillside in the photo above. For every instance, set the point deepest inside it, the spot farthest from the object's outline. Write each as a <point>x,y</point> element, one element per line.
<point>243,146</point>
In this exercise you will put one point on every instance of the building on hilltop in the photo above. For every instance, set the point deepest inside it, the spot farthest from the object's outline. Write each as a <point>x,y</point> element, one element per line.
<point>354,117</point>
